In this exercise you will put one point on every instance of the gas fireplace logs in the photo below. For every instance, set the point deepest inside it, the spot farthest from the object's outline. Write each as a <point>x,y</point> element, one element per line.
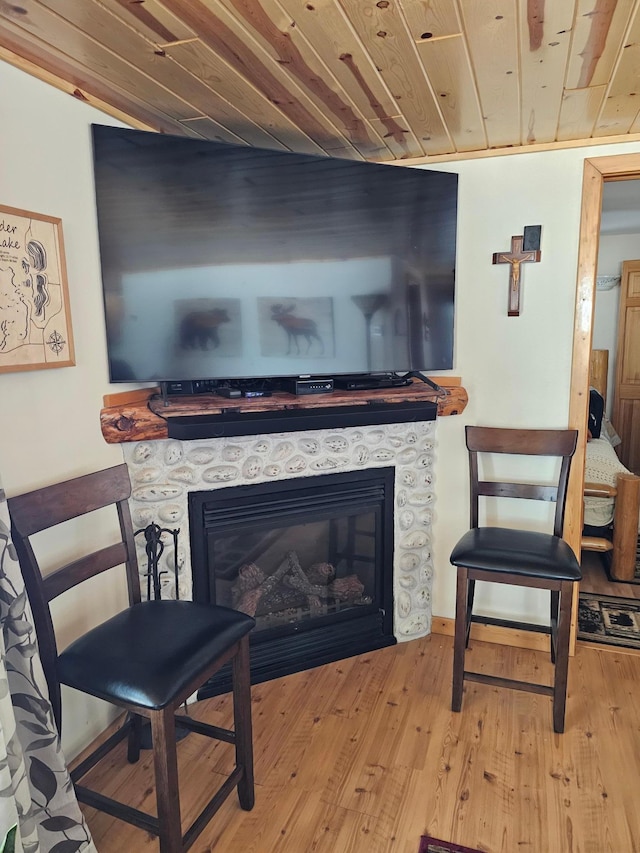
<point>291,586</point>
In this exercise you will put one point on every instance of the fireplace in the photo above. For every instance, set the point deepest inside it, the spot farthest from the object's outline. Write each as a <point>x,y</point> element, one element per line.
<point>310,558</point>
<point>166,473</point>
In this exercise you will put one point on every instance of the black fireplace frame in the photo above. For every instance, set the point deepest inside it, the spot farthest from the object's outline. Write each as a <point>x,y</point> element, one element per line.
<point>352,632</point>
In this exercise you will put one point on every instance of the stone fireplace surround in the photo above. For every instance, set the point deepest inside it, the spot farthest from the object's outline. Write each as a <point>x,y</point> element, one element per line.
<point>163,472</point>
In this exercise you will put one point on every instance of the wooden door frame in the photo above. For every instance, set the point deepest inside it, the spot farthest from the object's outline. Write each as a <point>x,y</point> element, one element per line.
<point>597,170</point>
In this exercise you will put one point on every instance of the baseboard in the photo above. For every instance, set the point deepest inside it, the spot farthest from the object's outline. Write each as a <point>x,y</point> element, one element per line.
<point>111,729</point>
<point>495,634</point>
<point>520,639</point>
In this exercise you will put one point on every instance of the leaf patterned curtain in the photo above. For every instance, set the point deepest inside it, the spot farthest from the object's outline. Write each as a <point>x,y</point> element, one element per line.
<point>36,793</point>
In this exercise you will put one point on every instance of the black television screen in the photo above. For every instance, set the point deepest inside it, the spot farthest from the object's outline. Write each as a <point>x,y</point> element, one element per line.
<point>225,261</point>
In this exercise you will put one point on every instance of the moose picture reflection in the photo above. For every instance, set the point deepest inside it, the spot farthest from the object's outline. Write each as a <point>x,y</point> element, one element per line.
<point>209,325</point>
<point>296,327</point>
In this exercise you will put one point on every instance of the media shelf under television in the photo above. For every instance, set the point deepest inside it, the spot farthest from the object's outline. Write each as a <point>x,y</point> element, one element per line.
<point>144,415</point>
<point>298,385</point>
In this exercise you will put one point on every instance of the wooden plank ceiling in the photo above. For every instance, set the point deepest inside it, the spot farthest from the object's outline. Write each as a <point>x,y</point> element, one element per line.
<point>378,80</point>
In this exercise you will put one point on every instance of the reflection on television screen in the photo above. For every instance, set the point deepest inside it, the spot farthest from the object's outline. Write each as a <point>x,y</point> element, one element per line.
<point>223,261</point>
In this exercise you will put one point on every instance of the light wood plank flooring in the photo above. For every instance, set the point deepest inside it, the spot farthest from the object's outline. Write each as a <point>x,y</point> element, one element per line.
<point>364,756</point>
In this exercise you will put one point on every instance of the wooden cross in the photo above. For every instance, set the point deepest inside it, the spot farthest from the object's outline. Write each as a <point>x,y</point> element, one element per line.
<point>515,258</point>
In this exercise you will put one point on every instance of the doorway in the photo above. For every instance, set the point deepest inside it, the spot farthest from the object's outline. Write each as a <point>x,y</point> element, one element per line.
<point>597,172</point>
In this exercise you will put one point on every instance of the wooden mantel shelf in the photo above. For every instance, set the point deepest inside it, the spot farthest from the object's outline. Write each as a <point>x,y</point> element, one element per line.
<point>143,416</point>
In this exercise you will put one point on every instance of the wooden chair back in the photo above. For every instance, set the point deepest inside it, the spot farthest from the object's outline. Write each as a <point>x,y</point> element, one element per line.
<point>44,508</point>
<point>521,442</point>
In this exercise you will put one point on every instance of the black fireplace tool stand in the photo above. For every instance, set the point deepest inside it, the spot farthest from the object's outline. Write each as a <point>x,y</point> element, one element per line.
<point>154,547</point>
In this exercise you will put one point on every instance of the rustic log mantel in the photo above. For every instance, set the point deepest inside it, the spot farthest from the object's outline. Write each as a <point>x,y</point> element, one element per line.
<point>143,416</point>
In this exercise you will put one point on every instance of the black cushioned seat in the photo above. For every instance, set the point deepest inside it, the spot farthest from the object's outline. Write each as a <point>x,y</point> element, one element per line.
<point>148,659</point>
<point>173,642</point>
<point>520,552</point>
<point>517,557</point>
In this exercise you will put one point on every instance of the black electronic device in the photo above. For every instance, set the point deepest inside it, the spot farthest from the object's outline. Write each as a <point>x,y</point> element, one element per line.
<point>250,394</point>
<point>233,422</point>
<point>367,382</point>
<point>179,388</point>
<point>307,385</point>
<point>190,386</point>
<point>224,263</point>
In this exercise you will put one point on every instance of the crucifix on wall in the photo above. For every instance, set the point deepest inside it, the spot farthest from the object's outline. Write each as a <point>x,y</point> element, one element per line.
<point>524,249</point>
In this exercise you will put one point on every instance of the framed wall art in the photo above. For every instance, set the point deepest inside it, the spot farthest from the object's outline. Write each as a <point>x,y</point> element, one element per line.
<point>35,324</point>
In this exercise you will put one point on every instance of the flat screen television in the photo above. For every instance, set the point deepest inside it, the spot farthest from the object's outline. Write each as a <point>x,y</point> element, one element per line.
<point>226,262</point>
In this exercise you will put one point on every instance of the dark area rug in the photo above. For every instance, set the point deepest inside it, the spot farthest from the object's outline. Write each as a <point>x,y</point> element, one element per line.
<point>432,845</point>
<point>610,620</point>
<point>636,576</point>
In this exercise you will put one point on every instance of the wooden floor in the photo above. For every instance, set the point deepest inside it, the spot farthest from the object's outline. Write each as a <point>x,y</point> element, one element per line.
<point>364,756</point>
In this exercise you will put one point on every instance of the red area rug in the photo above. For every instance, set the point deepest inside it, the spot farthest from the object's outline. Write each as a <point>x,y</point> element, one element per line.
<point>432,845</point>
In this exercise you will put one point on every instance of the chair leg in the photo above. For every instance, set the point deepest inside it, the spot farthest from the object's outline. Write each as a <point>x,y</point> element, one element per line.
<point>242,723</point>
<point>460,639</point>
<point>163,731</point>
<point>562,656</point>
<point>555,602</point>
<point>471,588</point>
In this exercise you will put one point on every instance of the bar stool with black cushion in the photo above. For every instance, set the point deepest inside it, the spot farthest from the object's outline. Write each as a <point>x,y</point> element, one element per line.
<point>523,558</point>
<point>147,659</point>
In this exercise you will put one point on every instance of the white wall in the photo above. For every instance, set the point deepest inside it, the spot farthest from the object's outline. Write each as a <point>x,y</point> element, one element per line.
<point>49,419</point>
<point>516,369</point>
